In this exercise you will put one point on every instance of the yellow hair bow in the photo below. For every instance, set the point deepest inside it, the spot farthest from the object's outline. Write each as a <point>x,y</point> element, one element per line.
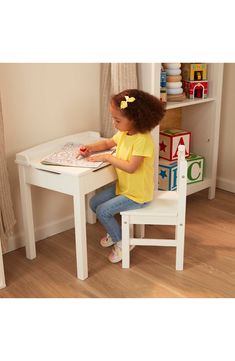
<point>124,103</point>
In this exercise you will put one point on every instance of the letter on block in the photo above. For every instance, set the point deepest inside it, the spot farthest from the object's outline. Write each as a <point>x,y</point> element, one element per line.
<point>195,172</point>
<point>167,176</point>
<point>170,139</point>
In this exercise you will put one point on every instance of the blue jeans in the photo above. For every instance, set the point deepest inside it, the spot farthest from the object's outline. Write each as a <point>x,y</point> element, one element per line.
<point>106,204</point>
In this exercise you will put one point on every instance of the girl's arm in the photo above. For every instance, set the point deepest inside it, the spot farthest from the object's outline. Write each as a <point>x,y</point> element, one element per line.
<point>88,149</point>
<point>128,166</point>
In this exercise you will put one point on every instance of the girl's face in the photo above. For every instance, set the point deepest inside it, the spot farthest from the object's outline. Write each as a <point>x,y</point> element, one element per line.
<point>120,122</point>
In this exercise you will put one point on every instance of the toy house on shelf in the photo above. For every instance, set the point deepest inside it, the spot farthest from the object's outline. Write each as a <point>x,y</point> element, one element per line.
<point>195,82</point>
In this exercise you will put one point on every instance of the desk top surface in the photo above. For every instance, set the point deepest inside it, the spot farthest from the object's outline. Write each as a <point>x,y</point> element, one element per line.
<point>32,157</point>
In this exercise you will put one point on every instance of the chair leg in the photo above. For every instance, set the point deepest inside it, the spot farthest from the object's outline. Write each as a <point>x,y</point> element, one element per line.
<point>180,247</point>
<point>125,242</point>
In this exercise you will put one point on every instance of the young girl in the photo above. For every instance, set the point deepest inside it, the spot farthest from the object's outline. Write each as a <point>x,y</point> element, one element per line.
<point>135,113</point>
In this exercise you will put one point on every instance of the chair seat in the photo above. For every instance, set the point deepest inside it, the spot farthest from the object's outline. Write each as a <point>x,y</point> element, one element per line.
<point>163,204</point>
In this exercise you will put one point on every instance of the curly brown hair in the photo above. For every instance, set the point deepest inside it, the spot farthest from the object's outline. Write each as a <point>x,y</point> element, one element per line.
<point>146,111</point>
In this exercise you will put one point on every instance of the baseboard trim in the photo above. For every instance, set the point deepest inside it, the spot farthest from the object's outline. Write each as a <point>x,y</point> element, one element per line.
<point>225,184</point>
<point>41,232</point>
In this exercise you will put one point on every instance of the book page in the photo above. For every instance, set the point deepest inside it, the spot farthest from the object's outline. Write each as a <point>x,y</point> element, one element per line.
<point>66,156</point>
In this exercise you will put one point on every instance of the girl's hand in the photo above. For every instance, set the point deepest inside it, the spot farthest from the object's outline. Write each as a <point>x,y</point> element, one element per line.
<point>84,151</point>
<point>99,158</point>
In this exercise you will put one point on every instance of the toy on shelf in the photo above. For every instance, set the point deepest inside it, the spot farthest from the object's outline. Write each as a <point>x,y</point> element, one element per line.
<point>167,175</point>
<point>196,165</point>
<point>163,92</point>
<point>195,82</point>
<point>170,139</point>
<point>192,71</point>
<point>174,82</point>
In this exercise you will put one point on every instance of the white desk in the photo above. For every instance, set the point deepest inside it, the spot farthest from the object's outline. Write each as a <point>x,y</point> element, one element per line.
<point>80,183</point>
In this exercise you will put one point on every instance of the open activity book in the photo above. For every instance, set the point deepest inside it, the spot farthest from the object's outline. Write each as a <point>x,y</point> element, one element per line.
<point>66,156</point>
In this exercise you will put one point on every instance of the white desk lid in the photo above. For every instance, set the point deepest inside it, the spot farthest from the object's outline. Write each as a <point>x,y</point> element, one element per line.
<point>33,156</point>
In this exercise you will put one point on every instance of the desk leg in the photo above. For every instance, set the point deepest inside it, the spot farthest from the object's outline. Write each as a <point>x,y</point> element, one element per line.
<point>2,275</point>
<point>80,235</point>
<point>27,214</point>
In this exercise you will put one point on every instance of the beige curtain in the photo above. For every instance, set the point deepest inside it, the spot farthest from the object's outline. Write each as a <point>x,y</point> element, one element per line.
<point>115,77</point>
<point>7,218</point>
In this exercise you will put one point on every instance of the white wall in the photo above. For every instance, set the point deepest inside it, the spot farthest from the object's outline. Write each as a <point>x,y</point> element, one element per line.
<point>226,160</point>
<point>41,102</point>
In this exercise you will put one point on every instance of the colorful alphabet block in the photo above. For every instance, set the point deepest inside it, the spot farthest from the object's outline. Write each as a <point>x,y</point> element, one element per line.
<point>195,168</point>
<point>170,139</point>
<point>167,175</point>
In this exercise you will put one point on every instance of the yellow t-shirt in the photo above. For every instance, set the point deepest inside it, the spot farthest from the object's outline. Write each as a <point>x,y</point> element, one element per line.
<point>138,186</point>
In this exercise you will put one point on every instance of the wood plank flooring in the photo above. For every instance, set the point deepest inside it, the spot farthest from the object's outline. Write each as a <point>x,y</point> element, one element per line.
<point>209,269</point>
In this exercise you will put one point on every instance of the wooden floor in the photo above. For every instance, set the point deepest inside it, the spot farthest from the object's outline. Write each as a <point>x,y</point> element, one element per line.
<point>209,261</point>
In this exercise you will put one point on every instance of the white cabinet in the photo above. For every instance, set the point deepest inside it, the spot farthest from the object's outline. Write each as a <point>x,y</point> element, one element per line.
<point>200,116</point>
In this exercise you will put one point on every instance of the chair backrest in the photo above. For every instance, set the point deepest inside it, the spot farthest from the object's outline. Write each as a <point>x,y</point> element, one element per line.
<point>182,181</point>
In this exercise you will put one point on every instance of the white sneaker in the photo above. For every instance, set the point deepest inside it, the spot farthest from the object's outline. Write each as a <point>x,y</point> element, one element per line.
<point>116,255</point>
<point>106,241</point>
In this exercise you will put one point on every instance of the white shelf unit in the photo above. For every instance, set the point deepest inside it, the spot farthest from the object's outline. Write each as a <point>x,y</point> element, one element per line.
<point>187,102</point>
<point>200,116</point>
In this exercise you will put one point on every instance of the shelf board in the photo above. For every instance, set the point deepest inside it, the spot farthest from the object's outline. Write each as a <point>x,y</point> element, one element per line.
<point>196,187</point>
<point>187,102</point>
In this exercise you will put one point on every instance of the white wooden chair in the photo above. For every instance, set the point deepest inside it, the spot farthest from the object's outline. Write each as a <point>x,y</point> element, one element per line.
<point>167,208</point>
<point>2,275</point>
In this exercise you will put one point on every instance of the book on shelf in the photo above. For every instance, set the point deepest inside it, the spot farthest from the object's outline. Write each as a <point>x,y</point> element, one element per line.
<point>67,156</point>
